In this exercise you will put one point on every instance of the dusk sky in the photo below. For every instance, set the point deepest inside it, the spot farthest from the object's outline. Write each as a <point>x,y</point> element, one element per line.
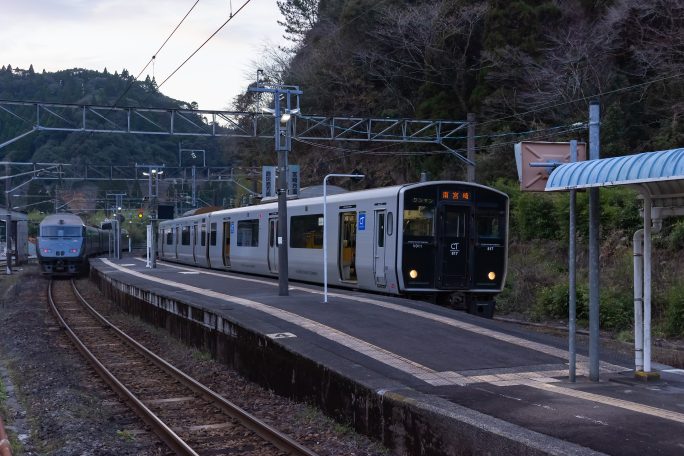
<point>116,34</point>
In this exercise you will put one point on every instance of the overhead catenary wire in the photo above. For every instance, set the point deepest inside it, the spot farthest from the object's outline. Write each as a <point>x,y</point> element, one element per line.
<point>545,134</point>
<point>205,42</point>
<point>154,56</point>
<point>550,105</point>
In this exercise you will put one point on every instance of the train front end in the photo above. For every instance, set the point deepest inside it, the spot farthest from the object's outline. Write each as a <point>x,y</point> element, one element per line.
<point>454,243</point>
<point>60,248</point>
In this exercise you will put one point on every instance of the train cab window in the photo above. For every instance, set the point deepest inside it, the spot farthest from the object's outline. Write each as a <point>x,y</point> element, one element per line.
<point>248,233</point>
<point>454,224</point>
<point>488,226</point>
<point>169,237</point>
<point>212,234</point>
<point>62,231</point>
<point>306,232</point>
<point>419,221</point>
<point>419,213</point>
<point>185,235</point>
<point>390,223</point>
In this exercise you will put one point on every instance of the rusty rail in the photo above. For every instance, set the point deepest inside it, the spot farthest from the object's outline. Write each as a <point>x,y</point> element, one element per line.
<point>268,433</point>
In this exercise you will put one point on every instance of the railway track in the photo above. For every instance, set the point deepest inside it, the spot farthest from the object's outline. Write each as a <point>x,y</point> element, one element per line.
<point>188,417</point>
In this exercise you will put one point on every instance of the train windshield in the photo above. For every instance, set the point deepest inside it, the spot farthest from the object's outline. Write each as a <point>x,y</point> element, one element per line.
<point>61,231</point>
<point>419,214</point>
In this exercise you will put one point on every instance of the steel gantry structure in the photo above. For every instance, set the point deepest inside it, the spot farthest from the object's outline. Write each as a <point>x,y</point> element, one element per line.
<point>283,124</point>
<point>235,124</point>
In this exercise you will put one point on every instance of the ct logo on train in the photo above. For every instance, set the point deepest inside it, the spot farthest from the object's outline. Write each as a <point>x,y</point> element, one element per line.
<point>454,248</point>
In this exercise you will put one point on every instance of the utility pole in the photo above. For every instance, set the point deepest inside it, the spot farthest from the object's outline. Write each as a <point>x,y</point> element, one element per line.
<point>117,226</point>
<point>594,215</point>
<point>471,146</point>
<point>8,222</point>
<point>154,172</point>
<point>285,104</point>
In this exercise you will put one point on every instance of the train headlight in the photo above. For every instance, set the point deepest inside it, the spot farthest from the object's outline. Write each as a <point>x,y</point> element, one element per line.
<point>47,251</point>
<point>491,275</point>
<point>413,274</point>
<point>74,250</point>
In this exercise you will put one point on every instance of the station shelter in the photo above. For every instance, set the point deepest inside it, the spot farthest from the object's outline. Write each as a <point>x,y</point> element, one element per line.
<point>20,241</point>
<point>658,177</point>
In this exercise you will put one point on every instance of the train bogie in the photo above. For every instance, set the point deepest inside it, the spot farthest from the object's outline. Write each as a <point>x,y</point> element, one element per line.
<point>444,239</point>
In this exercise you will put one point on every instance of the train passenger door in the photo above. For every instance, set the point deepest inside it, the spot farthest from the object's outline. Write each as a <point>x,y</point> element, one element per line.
<point>379,248</point>
<point>347,247</point>
<point>205,245</point>
<point>193,241</point>
<point>273,245</point>
<point>177,240</point>
<point>227,228</point>
<point>452,242</point>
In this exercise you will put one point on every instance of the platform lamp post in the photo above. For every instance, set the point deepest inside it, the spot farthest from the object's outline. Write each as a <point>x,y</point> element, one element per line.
<point>285,105</point>
<point>153,173</point>
<point>356,176</point>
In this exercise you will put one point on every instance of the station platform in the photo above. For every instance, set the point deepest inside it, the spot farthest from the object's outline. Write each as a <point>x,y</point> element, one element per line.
<point>421,378</point>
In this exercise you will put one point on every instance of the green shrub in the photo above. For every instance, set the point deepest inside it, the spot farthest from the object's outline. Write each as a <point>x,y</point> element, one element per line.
<point>674,312</point>
<point>616,310</point>
<point>552,302</point>
<point>536,217</point>
<point>675,240</point>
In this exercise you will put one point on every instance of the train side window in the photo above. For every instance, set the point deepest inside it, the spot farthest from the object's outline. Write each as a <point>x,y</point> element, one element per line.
<point>306,231</point>
<point>204,234</point>
<point>169,237</point>
<point>212,235</point>
<point>248,233</point>
<point>488,226</point>
<point>185,235</point>
<point>390,223</point>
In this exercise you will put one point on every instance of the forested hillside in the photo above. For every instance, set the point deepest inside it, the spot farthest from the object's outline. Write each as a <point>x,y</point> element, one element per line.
<point>519,65</point>
<point>81,86</point>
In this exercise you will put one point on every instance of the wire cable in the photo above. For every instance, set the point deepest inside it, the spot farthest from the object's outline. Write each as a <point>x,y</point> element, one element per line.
<point>154,56</point>
<point>205,42</point>
<point>584,98</point>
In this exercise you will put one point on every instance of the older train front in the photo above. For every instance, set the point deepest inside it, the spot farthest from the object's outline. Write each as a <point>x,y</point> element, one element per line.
<point>62,245</point>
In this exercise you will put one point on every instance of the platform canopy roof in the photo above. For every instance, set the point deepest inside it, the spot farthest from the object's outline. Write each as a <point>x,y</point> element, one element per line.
<point>660,174</point>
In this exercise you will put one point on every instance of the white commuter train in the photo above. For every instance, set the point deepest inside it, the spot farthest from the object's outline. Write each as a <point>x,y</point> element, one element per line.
<point>446,239</point>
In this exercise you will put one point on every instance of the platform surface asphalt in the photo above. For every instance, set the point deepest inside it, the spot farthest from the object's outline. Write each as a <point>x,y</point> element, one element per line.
<point>496,368</point>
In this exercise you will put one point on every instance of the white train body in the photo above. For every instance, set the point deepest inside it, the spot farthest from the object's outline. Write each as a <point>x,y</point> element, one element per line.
<point>427,238</point>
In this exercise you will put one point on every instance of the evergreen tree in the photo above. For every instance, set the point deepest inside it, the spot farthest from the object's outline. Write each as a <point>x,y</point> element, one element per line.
<point>299,17</point>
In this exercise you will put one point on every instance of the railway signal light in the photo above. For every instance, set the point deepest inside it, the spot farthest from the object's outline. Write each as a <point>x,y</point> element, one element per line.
<point>141,214</point>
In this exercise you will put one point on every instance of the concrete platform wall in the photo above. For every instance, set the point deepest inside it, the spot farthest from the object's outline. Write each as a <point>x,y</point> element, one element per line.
<point>406,421</point>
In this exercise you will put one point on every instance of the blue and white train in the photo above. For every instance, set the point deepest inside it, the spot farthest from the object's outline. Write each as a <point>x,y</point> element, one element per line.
<point>446,239</point>
<point>65,243</point>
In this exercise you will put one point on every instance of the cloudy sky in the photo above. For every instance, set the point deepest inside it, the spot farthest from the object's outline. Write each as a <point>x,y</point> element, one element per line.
<point>116,34</point>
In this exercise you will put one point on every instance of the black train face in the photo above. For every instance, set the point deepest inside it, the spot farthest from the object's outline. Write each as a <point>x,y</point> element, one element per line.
<point>454,238</point>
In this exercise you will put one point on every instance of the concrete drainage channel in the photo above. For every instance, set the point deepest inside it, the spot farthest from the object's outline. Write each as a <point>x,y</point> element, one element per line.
<point>404,420</point>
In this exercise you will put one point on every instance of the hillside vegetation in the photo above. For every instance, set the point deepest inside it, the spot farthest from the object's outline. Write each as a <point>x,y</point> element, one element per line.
<point>527,69</point>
